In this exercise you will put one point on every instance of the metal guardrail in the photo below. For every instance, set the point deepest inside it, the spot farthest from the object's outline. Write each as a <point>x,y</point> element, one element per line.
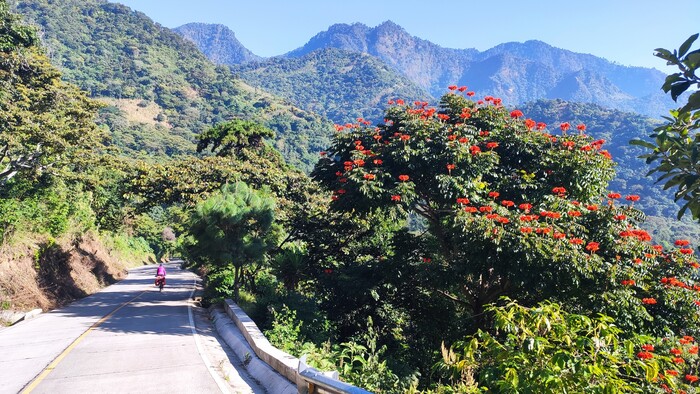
<point>318,382</point>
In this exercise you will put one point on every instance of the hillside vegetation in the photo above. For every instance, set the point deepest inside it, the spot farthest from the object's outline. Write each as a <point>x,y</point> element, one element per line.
<point>336,84</point>
<point>111,51</point>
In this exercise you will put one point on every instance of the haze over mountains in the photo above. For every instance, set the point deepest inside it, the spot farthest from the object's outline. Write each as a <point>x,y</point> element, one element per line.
<point>515,72</point>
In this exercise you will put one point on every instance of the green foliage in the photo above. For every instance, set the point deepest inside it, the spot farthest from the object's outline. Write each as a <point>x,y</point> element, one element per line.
<point>360,363</point>
<point>675,144</point>
<point>290,265</point>
<point>13,34</point>
<point>546,349</point>
<point>285,333</point>
<point>233,230</point>
<point>231,137</point>
<point>128,248</point>
<point>45,122</point>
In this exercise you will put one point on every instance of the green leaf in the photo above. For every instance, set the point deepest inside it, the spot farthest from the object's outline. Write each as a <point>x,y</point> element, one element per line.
<point>693,60</point>
<point>645,144</point>
<point>678,88</point>
<point>686,45</point>
<point>693,103</point>
<point>663,53</point>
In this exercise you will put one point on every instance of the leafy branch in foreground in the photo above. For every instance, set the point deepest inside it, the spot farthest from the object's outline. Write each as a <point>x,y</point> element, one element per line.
<point>676,144</point>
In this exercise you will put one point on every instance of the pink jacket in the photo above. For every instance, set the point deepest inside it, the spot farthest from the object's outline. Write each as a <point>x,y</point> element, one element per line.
<point>161,271</point>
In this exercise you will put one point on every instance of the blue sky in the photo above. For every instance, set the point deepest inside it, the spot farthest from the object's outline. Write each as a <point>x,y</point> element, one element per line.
<point>623,31</point>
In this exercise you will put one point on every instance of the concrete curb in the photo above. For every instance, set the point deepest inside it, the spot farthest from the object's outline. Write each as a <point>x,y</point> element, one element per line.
<point>272,381</point>
<point>13,318</point>
<point>291,376</point>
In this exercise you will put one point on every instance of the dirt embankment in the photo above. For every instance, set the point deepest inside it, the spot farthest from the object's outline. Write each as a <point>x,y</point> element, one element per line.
<point>48,274</point>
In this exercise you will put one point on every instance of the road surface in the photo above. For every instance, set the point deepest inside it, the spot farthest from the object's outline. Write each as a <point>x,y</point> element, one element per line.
<point>128,338</point>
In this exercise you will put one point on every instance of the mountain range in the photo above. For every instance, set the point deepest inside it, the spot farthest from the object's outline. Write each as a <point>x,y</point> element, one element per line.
<point>516,72</point>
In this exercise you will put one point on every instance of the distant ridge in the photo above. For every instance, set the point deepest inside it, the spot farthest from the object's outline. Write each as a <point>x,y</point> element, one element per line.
<point>217,42</point>
<point>516,72</point>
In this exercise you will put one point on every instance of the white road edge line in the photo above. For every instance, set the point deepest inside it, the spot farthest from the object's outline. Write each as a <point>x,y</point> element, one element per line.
<point>219,382</point>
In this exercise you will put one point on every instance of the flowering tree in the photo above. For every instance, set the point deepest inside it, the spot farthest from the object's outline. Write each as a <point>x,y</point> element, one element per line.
<point>511,209</point>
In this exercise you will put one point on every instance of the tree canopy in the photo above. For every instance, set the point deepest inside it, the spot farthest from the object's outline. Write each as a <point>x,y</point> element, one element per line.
<point>44,122</point>
<point>233,230</point>
<point>507,207</point>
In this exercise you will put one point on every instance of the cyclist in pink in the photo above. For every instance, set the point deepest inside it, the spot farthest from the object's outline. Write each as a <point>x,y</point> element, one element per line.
<point>160,275</point>
<point>161,270</point>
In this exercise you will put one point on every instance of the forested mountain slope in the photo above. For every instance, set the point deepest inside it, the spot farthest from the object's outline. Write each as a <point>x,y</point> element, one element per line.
<point>337,84</point>
<point>161,89</point>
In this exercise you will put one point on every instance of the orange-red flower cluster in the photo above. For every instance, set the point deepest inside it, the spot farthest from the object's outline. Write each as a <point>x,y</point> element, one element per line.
<point>645,355</point>
<point>525,207</point>
<point>550,214</point>
<point>593,247</point>
<point>639,234</point>
<point>516,113</point>
<point>529,124</point>
<point>559,191</point>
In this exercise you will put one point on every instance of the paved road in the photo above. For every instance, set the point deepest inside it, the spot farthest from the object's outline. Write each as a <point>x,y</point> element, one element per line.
<point>128,338</point>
